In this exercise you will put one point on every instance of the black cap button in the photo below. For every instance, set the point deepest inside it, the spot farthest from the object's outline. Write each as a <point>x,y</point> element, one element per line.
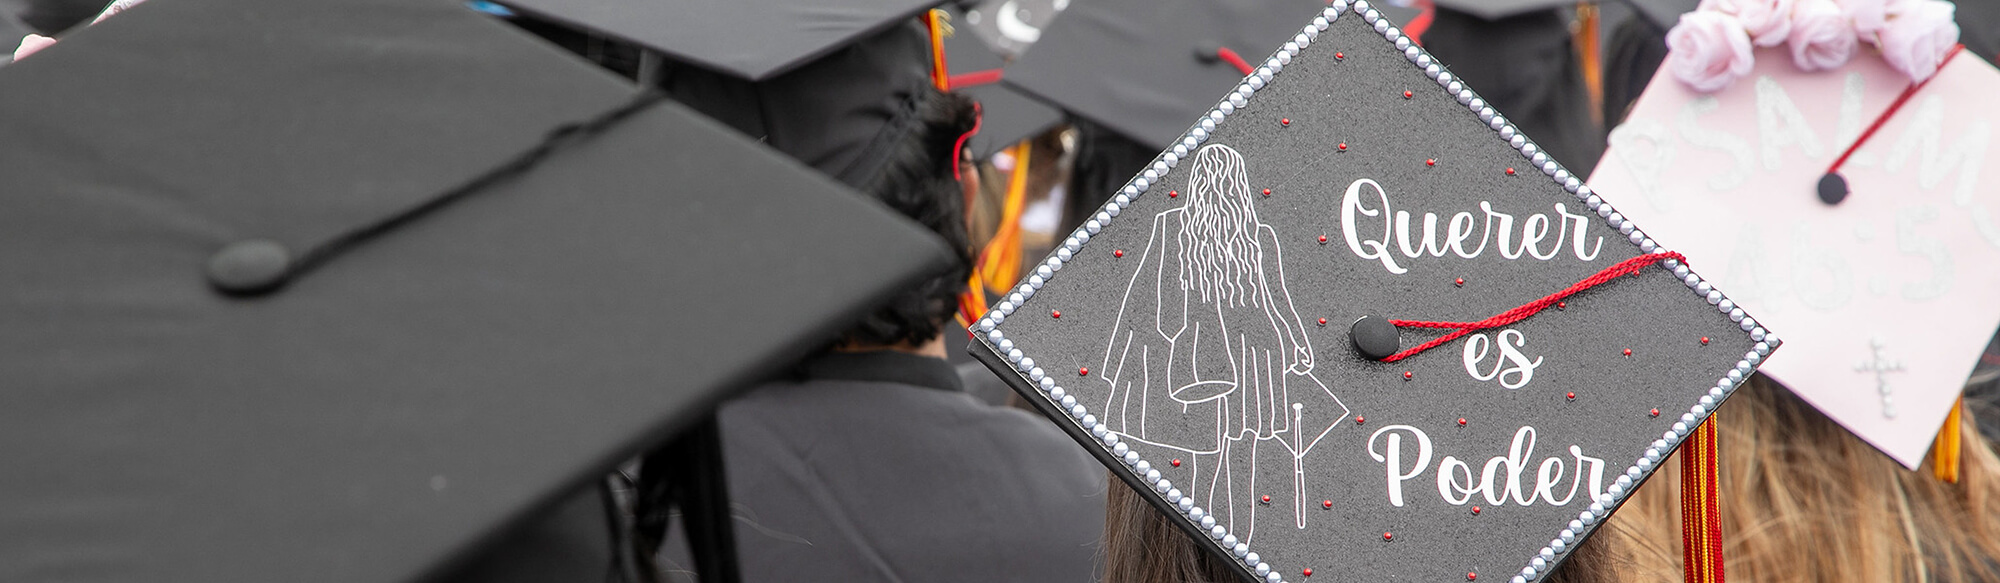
<point>1375,337</point>
<point>1832,188</point>
<point>250,267</point>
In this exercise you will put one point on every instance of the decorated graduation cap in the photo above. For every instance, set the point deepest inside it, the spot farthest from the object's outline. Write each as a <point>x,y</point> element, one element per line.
<point>434,275</point>
<point>1840,176</point>
<point>1145,67</point>
<point>975,69</point>
<point>1354,325</point>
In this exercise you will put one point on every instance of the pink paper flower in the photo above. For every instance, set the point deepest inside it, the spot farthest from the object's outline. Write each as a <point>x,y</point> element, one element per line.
<point>1769,22</point>
<point>1821,36</point>
<point>1918,37</point>
<point>1707,50</point>
<point>30,44</point>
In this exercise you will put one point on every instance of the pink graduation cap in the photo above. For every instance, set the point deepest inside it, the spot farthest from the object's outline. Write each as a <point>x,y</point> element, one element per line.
<point>1829,166</point>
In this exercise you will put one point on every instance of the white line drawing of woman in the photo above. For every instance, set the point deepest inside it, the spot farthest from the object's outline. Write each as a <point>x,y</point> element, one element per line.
<point>1206,331</point>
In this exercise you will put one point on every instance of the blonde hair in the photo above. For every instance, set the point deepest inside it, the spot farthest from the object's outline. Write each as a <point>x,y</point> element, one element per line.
<point>1803,499</point>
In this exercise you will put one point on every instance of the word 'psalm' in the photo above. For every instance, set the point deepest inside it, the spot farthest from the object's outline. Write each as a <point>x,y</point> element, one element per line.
<point>1382,240</point>
<point>1499,479</point>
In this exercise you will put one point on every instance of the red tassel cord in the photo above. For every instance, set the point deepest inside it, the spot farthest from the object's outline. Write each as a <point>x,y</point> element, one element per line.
<point>1626,267</point>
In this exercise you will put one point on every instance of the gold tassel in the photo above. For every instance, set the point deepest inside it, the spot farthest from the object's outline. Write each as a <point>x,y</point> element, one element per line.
<point>1944,451</point>
<point>1590,57</point>
<point>939,23</point>
<point>1000,262</point>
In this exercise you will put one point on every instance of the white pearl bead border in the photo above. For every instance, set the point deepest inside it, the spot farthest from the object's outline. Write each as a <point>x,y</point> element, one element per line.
<point>1541,563</point>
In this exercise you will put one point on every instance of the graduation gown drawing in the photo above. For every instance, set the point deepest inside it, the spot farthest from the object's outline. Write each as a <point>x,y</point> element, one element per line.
<point>1207,330</point>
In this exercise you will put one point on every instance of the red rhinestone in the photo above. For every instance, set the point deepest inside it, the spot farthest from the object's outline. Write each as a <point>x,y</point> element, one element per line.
<point>1460,281</point>
<point>1461,422</point>
<point>1407,94</point>
<point>1387,536</point>
<point>1510,171</point>
<point>1083,372</point>
<point>1055,313</point>
<point>1322,239</point>
<point>1704,341</point>
<point>1562,305</point>
<point>1475,510</point>
<point>1327,504</point>
<point>1339,55</point>
<point>1118,253</point>
<point>1176,462</point>
<point>1308,571</point>
<point>1322,321</point>
<point>1343,146</point>
<point>1173,193</point>
<point>1267,192</point>
<point>1359,420</point>
<point>1628,352</point>
<point>1430,161</point>
<point>1471,576</point>
<point>1407,375</point>
<point>1655,412</point>
<point>1285,121</point>
<point>1572,396</point>
<point>1267,498</point>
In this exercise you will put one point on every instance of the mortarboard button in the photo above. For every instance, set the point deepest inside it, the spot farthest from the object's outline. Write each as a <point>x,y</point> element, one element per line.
<point>249,267</point>
<point>1832,188</point>
<point>1375,337</point>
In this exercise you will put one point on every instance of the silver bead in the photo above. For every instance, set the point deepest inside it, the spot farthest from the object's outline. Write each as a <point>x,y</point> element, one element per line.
<point>1174,496</point>
<point>1476,104</point>
<point>1736,315</point>
<point>1049,384</point>
<point>1538,158</point>
<point>1486,115</point>
<point>1528,572</point>
<point>1274,578</point>
<point>986,325</point>
<point>1097,431</point>
<point>1562,177</point>
<point>1185,504</point>
<point>1142,183</point>
<point>1375,18</point>
<point>1131,457</point>
<point>1265,74</point>
<point>1430,69</point>
<point>1014,355</point>
<point>1111,440</point>
<point>1060,395</point>
<point>1240,550</point>
<point>1197,514</point>
<point>1322,22</point>
<point>1285,58</point>
<point>1152,476</point>
<point>1587,518</point>
<point>1747,323</point>
<point>1707,401</point>
<point>1228,107</point>
<point>1499,121</point>
<point>1687,418</point>
<point>1558,546</point>
<point>1625,481</point>
<point>1263,569</point>
<point>1464,96</point>
<point>1546,554</point>
<point>1517,141</point>
<point>1725,305</point>
<point>1529,150</point>
<point>1549,167</point>
<point>1228,540</point>
<point>1680,428</point>
<point>1303,40</point>
<point>1403,43</point>
<point>1538,563</point>
<point>1143,467</point>
<point>1597,509</point>
<point>1636,235</point>
<point>1068,402</point>
<point>1616,220</point>
<point>1444,79</point>
<point>1361,7</point>
<point>1006,345</point>
<point>1518,579</point>
<point>1093,226</point>
<point>1648,246</point>
<point>1652,454</point>
<point>1076,412</point>
<point>1252,559</point>
<point>1164,485</point>
<point>1454,88</point>
<point>1025,364</point>
<point>1216,532</point>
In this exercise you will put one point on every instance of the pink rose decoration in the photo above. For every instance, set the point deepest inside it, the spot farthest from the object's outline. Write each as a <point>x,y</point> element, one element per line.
<point>1821,37</point>
<point>1708,50</point>
<point>30,44</point>
<point>1769,22</point>
<point>1918,37</point>
<point>1869,16</point>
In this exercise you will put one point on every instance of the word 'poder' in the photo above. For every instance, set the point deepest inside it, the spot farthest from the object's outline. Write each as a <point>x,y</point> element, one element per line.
<point>1395,232</point>
<point>1454,477</point>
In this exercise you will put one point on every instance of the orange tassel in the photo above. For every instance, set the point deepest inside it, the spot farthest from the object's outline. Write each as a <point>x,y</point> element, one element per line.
<point>1701,523</point>
<point>1944,451</point>
<point>1000,262</point>
<point>938,21</point>
<point>1587,22</point>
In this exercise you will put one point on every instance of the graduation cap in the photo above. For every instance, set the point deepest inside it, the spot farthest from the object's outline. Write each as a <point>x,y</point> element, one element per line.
<point>1521,55</point>
<point>1851,207</point>
<point>1007,116</point>
<point>433,275</point>
<point>1145,67</point>
<point>1011,26</point>
<point>1354,324</point>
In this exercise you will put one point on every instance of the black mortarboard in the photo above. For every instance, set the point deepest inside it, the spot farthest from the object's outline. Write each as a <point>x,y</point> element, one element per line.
<point>1499,9</point>
<point>1011,26</point>
<point>1354,325</point>
<point>833,84</point>
<point>1663,13</point>
<point>1006,115</point>
<point>1145,67</point>
<point>1526,65</point>
<point>752,39</point>
<point>506,274</point>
